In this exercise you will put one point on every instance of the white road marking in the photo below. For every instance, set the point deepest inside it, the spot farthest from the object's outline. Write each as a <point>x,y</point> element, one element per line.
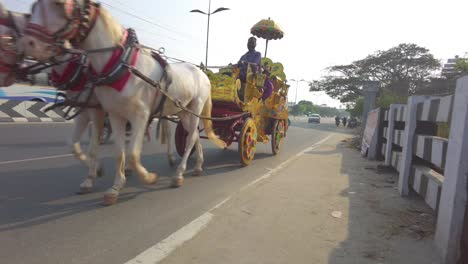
<point>164,248</point>
<point>35,159</point>
<point>284,163</point>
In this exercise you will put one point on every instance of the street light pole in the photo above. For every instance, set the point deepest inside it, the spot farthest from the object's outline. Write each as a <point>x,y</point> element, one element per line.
<point>207,34</point>
<point>297,84</point>
<point>208,26</point>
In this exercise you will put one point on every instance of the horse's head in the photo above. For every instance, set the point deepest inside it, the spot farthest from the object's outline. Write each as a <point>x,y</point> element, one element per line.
<point>11,29</point>
<point>52,23</point>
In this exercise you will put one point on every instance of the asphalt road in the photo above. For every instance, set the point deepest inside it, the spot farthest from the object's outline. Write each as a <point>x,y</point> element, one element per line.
<point>42,220</point>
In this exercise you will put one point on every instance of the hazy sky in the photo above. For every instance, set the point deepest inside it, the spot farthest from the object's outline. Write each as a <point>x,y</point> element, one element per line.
<point>318,34</point>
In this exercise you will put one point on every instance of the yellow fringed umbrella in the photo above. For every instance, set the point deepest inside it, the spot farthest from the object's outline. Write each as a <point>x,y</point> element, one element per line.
<point>267,29</point>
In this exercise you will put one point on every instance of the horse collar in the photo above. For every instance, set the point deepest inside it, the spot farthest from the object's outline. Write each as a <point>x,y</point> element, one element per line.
<point>73,77</point>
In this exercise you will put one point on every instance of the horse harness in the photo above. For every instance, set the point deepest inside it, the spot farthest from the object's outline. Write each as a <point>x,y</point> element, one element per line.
<point>80,22</point>
<point>8,45</point>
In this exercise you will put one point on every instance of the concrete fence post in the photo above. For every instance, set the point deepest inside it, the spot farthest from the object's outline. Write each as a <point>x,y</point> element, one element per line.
<point>370,90</point>
<point>408,142</point>
<point>390,129</point>
<point>453,199</point>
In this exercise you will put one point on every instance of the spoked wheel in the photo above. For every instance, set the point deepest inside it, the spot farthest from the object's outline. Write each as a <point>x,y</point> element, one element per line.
<point>248,142</point>
<point>181,140</point>
<point>277,135</point>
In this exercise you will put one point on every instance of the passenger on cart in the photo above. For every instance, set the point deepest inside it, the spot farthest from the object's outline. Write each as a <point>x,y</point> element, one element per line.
<point>252,56</point>
<point>267,87</point>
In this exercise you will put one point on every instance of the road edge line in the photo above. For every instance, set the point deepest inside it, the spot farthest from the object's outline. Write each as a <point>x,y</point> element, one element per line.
<point>164,248</point>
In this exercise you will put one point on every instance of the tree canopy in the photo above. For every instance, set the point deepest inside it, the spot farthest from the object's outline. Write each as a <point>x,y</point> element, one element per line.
<point>307,107</point>
<point>401,70</point>
<point>302,108</point>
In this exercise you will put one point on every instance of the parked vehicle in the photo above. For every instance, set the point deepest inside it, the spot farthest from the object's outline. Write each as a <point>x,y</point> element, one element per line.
<point>25,92</point>
<point>314,118</point>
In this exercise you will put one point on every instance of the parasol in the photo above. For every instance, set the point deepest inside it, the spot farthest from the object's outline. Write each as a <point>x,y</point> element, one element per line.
<point>267,29</point>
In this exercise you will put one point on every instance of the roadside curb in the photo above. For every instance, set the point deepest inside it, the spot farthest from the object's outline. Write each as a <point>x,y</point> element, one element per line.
<point>27,111</point>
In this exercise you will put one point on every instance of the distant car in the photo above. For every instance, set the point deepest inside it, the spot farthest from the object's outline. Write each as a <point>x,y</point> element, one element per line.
<point>314,118</point>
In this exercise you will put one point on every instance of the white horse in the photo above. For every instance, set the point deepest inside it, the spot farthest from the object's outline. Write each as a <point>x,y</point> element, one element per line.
<point>53,21</point>
<point>11,27</point>
<point>94,116</point>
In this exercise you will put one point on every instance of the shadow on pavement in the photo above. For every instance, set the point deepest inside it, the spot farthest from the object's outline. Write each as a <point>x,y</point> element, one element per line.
<point>32,197</point>
<point>382,226</point>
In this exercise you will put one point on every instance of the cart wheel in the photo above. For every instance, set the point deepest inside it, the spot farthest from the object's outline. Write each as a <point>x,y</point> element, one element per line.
<point>181,140</point>
<point>248,142</point>
<point>277,135</point>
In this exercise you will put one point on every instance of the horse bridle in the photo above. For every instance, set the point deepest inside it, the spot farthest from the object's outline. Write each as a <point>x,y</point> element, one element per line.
<point>77,28</point>
<point>8,44</point>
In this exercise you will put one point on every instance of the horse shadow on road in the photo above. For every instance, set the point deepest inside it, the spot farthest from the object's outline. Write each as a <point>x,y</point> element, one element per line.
<point>32,197</point>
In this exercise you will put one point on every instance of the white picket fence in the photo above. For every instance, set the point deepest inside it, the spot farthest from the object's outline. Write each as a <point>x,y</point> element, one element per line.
<point>434,167</point>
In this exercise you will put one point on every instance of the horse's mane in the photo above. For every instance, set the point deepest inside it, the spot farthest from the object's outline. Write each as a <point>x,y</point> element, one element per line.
<point>112,26</point>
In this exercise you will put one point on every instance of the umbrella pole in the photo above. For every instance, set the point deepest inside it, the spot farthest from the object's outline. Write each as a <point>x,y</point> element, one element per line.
<point>266,48</point>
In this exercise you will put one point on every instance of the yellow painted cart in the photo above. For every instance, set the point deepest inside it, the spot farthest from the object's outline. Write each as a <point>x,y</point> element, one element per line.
<point>255,120</point>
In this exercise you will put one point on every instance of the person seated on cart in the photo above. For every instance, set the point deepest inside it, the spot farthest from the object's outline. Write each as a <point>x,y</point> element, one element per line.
<point>268,87</point>
<point>252,56</point>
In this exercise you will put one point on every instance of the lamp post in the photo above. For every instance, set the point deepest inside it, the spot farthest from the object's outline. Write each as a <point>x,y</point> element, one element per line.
<point>208,27</point>
<point>297,84</point>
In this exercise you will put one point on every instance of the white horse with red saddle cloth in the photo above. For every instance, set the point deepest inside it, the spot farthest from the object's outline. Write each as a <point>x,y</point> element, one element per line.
<point>12,26</point>
<point>123,95</point>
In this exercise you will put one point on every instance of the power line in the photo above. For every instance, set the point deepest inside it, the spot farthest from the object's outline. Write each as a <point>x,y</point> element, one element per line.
<point>165,26</point>
<point>147,21</point>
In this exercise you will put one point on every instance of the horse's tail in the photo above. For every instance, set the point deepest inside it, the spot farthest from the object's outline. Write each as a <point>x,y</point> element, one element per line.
<point>209,125</point>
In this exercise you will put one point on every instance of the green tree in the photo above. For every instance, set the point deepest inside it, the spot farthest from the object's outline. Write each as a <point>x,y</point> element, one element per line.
<point>303,108</point>
<point>387,98</point>
<point>401,70</point>
<point>461,66</point>
<point>357,108</point>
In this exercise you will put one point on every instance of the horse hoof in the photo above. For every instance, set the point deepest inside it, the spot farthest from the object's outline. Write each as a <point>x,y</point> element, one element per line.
<point>197,173</point>
<point>100,172</point>
<point>177,182</point>
<point>85,190</point>
<point>151,178</point>
<point>110,199</point>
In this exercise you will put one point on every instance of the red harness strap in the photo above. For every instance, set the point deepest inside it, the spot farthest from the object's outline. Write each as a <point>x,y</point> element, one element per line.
<point>67,74</point>
<point>119,84</point>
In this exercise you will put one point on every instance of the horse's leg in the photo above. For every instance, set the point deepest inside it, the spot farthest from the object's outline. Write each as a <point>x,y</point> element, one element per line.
<point>190,123</point>
<point>166,138</point>
<point>118,128</point>
<point>80,124</point>
<point>198,171</point>
<point>97,118</point>
<point>139,122</point>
